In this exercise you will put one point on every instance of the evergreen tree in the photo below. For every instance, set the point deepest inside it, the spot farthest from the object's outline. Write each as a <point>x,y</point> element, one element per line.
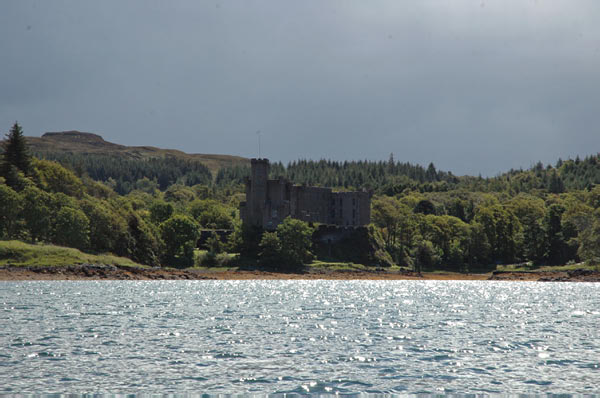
<point>16,153</point>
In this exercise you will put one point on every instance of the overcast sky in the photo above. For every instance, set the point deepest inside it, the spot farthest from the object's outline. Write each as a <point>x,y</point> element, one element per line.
<point>472,86</point>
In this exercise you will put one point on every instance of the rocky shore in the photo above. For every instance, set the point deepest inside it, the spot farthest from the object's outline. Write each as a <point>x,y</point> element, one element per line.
<point>577,275</point>
<point>95,272</point>
<point>122,272</point>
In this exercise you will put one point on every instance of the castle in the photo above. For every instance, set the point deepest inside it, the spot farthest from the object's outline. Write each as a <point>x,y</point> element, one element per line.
<point>269,202</point>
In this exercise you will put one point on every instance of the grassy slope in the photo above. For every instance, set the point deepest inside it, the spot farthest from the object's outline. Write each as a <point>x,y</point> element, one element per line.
<point>86,143</point>
<point>16,253</point>
<point>568,267</point>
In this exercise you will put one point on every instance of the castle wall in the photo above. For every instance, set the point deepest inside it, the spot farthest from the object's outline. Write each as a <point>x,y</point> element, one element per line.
<point>350,208</point>
<point>311,204</point>
<point>278,202</point>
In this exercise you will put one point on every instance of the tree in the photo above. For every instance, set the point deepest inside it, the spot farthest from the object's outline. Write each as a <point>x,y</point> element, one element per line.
<point>500,226</point>
<point>107,227</point>
<point>270,249</point>
<point>425,255</point>
<point>296,242</point>
<point>179,234</point>
<point>160,211</point>
<point>388,214</point>
<point>479,246</point>
<point>555,185</point>
<point>424,207</point>
<point>142,240</point>
<point>450,235</point>
<point>245,239</point>
<point>530,212</point>
<point>10,209</point>
<point>211,214</point>
<point>555,243</point>
<point>288,246</point>
<point>589,241</point>
<point>37,213</point>
<point>53,177</point>
<point>16,154</point>
<point>72,228</point>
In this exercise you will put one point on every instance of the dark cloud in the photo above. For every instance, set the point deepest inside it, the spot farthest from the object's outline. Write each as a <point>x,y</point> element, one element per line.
<point>473,86</point>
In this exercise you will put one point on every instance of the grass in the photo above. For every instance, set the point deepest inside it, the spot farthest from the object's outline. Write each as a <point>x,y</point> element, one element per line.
<point>21,254</point>
<point>545,268</point>
<point>347,266</point>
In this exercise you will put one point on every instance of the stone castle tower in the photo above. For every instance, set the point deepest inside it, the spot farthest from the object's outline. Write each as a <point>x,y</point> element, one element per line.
<point>257,197</point>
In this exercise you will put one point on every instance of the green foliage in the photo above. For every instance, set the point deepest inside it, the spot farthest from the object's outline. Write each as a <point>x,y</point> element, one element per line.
<point>53,177</point>
<point>38,213</point>
<point>143,242</point>
<point>15,156</point>
<point>289,246</point>
<point>72,228</point>
<point>10,208</point>
<point>160,211</point>
<point>179,234</point>
<point>271,249</point>
<point>424,207</point>
<point>500,227</point>
<point>450,235</point>
<point>129,173</point>
<point>395,220</point>
<point>296,241</point>
<point>211,214</point>
<point>425,255</point>
<point>179,194</point>
<point>589,241</point>
<point>214,244</point>
<point>245,240</point>
<point>107,227</point>
<point>479,252</point>
<point>554,238</point>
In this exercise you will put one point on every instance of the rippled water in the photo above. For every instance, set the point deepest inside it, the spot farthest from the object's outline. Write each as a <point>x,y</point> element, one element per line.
<point>321,337</point>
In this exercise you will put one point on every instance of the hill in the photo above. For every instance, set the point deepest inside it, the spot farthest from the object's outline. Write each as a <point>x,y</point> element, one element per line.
<point>82,143</point>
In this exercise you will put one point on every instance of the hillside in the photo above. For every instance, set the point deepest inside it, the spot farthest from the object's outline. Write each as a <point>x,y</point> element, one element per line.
<point>82,143</point>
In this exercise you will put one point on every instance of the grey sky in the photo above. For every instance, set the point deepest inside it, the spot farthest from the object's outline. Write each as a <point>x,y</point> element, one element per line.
<point>473,86</point>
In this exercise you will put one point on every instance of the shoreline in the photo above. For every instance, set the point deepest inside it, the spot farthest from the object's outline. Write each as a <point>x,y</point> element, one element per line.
<point>112,272</point>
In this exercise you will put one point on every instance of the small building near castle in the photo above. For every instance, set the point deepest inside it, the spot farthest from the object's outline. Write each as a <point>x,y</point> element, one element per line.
<point>269,202</point>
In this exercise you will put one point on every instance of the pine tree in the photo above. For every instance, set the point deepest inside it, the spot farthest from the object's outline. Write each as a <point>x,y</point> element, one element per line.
<point>16,152</point>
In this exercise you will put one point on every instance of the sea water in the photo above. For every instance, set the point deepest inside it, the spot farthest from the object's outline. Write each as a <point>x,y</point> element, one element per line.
<point>299,337</point>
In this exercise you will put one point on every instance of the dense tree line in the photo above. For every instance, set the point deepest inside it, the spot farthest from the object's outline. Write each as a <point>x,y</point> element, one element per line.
<point>469,230</point>
<point>347,174</point>
<point>127,174</point>
<point>392,177</point>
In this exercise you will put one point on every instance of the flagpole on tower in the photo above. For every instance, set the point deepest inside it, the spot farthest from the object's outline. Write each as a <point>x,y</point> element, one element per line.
<point>258,134</point>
